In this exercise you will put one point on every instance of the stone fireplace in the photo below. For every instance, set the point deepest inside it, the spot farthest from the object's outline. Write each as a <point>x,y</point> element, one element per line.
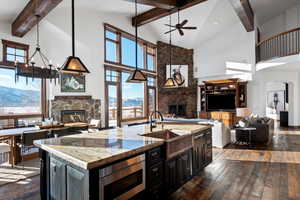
<point>71,116</point>
<point>75,108</point>
<point>180,101</point>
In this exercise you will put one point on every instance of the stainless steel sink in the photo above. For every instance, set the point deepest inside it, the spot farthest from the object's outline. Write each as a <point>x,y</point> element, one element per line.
<point>175,144</point>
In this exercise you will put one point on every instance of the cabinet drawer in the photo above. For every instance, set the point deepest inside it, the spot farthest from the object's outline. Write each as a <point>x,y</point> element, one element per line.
<point>154,156</point>
<point>154,175</point>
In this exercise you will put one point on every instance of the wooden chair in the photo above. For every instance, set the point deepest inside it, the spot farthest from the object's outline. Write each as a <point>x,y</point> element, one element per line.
<point>27,139</point>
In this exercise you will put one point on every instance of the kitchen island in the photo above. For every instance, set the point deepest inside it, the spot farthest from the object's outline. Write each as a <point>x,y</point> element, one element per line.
<point>117,163</point>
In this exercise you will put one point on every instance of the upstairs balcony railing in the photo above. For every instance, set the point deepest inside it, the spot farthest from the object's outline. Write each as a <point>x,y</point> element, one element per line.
<point>280,45</point>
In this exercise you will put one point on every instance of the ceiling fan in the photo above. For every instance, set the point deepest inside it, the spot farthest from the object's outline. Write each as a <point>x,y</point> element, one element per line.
<point>180,26</point>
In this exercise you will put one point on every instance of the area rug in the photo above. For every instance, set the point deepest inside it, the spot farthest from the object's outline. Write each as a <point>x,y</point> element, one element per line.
<point>11,175</point>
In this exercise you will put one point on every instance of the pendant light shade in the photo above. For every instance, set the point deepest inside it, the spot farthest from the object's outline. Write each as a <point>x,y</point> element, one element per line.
<point>170,82</point>
<point>137,75</point>
<point>73,64</point>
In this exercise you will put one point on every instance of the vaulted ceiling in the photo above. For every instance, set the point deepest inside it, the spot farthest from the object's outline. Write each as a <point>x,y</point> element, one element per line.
<point>211,17</point>
<point>267,9</point>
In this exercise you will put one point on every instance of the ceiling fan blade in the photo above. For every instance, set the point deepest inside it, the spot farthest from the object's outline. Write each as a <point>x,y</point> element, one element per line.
<point>170,31</point>
<point>183,23</point>
<point>170,25</point>
<point>189,27</point>
<point>180,32</point>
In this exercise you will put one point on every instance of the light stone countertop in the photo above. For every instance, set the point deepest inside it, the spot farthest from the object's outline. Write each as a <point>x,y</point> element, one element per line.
<point>90,150</point>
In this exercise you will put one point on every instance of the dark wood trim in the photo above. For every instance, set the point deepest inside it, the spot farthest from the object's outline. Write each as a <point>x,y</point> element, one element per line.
<point>245,13</point>
<point>27,19</point>
<point>16,45</point>
<point>118,30</point>
<point>165,4</point>
<point>277,35</point>
<point>157,13</point>
<point>17,116</point>
<point>81,97</point>
<point>118,67</point>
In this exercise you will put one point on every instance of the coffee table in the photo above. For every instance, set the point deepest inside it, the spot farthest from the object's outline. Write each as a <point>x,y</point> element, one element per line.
<point>249,130</point>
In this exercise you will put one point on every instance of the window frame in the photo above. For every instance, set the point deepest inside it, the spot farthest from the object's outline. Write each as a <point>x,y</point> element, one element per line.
<point>11,44</point>
<point>8,65</point>
<point>143,43</point>
<point>118,83</point>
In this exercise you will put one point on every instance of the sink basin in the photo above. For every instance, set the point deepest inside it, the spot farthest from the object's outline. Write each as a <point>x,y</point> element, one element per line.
<point>165,135</point>
<point>175,144</point>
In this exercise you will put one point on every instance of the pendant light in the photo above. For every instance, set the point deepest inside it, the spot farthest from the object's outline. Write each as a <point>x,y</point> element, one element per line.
<point>170,83</point>
<point>31,69</point>
<point>137,75</point>
<point>73,64</point>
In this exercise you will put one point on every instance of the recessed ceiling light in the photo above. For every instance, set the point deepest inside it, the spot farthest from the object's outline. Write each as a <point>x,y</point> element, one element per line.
<point>216,23</point>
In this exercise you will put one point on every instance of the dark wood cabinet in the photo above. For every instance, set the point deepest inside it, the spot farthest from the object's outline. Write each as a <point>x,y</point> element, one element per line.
<point>202,151</point>
<point>154,174</point>
<point>178,171</point>
<point>171,177</point>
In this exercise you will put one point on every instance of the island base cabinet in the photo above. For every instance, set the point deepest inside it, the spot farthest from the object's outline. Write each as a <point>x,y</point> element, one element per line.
<point>77,185</point>
<point>57,180</point>
<point>60,181</point>
<point>202,151</point>
<point>178,171</point>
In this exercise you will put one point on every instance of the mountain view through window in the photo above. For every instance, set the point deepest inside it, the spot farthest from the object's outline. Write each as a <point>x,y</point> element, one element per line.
<point>19,97</point>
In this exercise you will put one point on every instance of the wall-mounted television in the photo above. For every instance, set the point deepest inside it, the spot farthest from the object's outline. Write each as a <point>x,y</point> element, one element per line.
<point>218,102</point>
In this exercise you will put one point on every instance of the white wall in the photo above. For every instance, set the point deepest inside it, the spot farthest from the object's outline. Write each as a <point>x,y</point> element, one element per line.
<point>258,89</point>
<point>56,42</point>
<point>287,20</point>
<point>231,45</point>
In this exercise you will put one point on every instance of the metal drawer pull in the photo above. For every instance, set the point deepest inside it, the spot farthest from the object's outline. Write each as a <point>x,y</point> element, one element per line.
<point>154,154</point>
<point>155,169</point>
<point>198,136</point>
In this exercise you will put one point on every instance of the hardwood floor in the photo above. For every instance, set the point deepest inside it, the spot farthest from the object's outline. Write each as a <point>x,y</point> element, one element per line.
<point>237,173</point>
<point>266,173</point>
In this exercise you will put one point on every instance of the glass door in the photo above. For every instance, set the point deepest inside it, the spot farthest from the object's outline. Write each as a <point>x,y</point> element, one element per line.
<point>112,106</point>
<point>112,91</point>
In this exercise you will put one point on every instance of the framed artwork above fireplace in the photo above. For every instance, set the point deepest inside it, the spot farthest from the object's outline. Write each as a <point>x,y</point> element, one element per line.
<point>72,83</point>
<point>180,74</point>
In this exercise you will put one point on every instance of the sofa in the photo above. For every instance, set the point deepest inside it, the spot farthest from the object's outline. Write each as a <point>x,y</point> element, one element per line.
<point>220,133</point>
<point>263,133</point>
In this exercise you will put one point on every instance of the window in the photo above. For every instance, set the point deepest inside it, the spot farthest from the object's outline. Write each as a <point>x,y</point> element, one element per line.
<point>13,51</point>
<point>19,97</point>
<point>151,63</point>
<point>128,53</point>
<point>112,76</point>
<point>120,49</point>
<point>128,102</point>
<point>132,98</point>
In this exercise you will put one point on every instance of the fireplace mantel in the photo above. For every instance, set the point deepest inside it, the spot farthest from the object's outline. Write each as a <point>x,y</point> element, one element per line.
<point>79,97</point>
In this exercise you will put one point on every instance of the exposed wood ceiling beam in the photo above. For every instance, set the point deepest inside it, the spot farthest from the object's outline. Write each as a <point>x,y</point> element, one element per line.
<point>165,4</point>
<point>244,11</point>
<point>157,13</point>
<point>27,19</point>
